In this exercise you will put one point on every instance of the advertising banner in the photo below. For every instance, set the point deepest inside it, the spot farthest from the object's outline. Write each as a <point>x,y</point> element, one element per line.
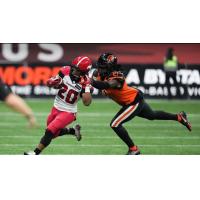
<point>30,80</point>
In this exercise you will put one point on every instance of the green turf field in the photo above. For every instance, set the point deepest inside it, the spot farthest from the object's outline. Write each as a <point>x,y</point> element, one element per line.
<point>153,137</point>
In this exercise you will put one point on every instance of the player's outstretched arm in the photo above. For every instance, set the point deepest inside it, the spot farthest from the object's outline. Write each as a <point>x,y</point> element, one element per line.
<point>87,90</point>
<point>18,104</point>
<point>101,85</point>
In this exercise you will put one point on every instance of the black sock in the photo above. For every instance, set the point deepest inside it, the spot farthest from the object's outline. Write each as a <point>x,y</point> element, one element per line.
<point>161,115</point>
<point>123,134</point>
<point>67,131</point>
<point>37,151</point>
<point>71,131</point>
<point>47,138</point>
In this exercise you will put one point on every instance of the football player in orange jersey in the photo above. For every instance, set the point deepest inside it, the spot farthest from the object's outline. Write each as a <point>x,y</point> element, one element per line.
<point>111,81</point>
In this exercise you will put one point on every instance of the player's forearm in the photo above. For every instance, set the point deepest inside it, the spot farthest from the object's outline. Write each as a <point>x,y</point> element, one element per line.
<point>100,84</point>
<point>54,81</point>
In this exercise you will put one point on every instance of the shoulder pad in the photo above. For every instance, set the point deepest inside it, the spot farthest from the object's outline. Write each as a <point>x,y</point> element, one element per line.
<point>65,70</point>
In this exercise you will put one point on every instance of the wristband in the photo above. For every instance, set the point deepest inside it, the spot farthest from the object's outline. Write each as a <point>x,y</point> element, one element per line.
<point>87,89</point>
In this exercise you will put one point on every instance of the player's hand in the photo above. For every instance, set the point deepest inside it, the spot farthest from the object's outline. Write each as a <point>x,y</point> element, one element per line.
<point>32,122</point>
<point>86,84</point>
<point>54,81</point>
<point>89,88</point>
<point>85,80</point>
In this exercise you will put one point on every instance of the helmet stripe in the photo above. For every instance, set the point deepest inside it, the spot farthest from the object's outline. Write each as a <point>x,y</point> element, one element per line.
<point>81,60</point>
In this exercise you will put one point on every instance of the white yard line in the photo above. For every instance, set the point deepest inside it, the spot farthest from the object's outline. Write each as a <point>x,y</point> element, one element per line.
<point>104,145</point>
<point>84,114</point>
<point>109,137</point>
<point>102,124</point>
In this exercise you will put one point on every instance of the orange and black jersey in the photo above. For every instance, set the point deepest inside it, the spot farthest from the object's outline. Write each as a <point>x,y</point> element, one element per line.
<point>122,93</point>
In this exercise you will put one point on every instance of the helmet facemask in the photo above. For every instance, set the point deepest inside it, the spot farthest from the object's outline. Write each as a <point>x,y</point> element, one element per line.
<point>76,74</point>
<point>80,67</point>
<point>103,71</point>
<point>106,64</point>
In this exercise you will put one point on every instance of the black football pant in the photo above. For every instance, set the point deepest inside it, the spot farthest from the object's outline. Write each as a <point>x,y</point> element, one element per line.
<point>140,109</point>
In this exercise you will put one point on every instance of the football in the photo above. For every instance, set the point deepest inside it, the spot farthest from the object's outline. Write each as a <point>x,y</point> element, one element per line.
<point>54,82</point>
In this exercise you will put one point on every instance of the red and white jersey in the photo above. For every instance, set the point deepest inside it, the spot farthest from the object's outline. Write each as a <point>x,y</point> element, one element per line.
<point>69,93</point>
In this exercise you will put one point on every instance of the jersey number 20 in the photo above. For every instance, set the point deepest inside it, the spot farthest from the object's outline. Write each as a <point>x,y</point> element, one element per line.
<point>70,95</point>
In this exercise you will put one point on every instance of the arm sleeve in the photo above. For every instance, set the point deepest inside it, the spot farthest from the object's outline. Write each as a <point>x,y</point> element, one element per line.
<point>100,84</point>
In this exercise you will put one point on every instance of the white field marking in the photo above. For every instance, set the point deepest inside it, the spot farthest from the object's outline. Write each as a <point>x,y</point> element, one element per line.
<point>45,114</point>
<point>93,115</point>
<point>165,101</point>
<point>104,145</point>
<point>102,124</point>
<point>109,137</point>
<point>106,100</point>
<point>84,114</point>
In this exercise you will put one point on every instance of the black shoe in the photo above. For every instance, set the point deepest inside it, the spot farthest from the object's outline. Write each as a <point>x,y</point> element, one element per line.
<point>77,134</point>
<point>133,151</point>
<point>183,120</point>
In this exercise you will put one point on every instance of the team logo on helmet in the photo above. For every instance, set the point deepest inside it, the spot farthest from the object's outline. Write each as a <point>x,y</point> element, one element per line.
<point>110,59</point>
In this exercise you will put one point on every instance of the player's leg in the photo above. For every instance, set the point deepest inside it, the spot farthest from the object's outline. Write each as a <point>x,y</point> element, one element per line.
<point>125,114</point>
<point>47,135</point>
<point>53,129</point>
<point>150,114</point>
<point>65,131</point>
<point>75,131</point>
<point>61,120</point>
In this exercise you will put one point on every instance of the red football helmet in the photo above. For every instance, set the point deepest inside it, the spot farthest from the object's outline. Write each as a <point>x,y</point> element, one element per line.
<point>83,63</point>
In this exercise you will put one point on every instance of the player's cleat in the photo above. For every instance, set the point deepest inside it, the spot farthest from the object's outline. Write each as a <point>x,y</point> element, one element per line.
<point>133,151</point>
<point>30,153</point>
<point>182,118</point>
<point>77,129</point>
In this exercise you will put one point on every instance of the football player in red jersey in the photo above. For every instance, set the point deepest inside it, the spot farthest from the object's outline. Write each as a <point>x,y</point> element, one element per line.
<point>71,82</point>
<point>111,81</point>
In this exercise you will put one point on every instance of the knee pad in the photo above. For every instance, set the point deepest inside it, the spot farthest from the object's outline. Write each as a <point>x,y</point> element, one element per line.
<point>46,139</point>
